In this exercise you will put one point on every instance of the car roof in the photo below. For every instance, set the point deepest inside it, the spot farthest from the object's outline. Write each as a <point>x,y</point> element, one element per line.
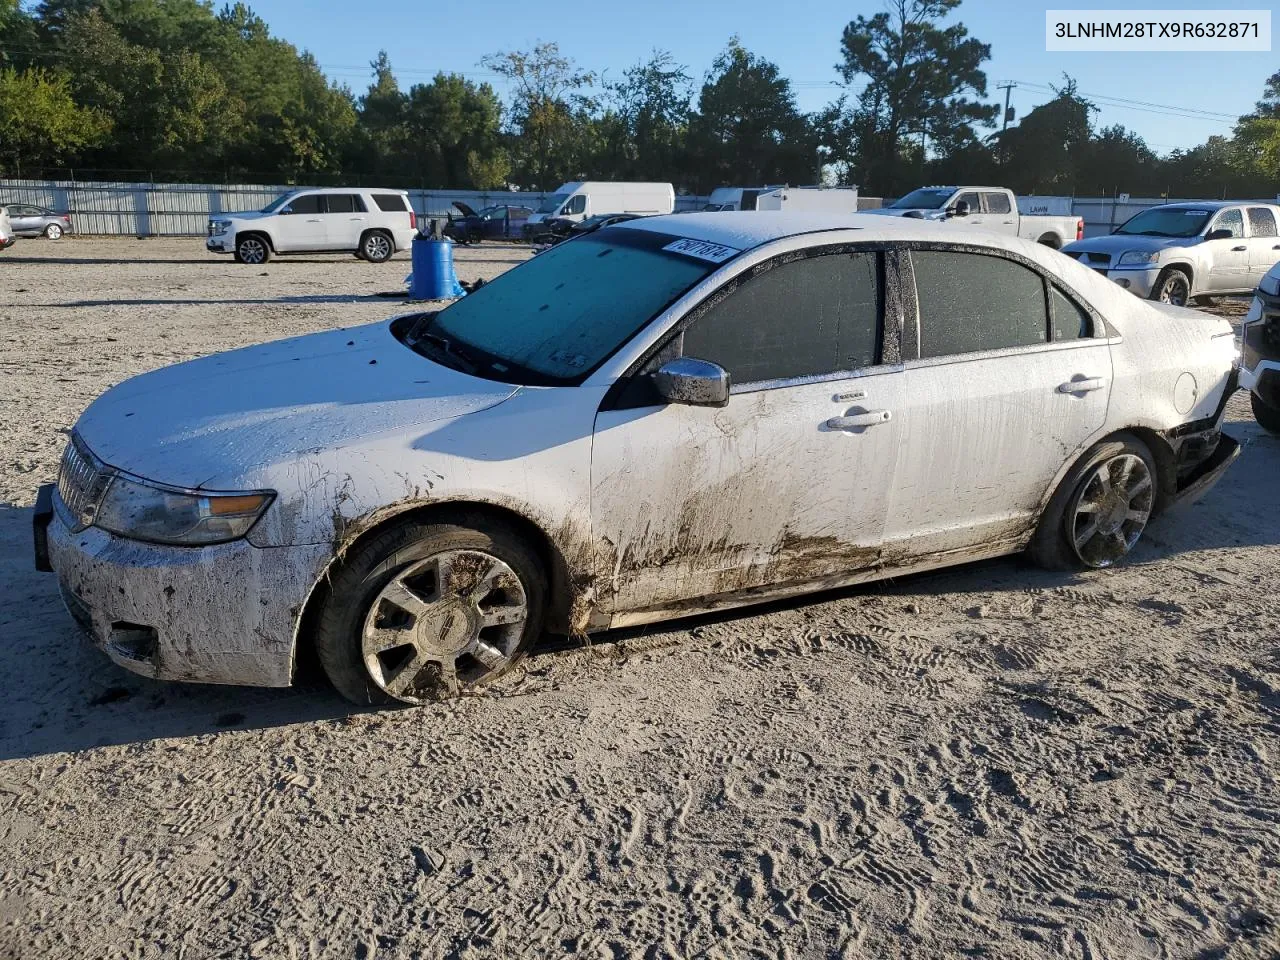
<point>345,190</point>
<point>1200,204</point>
<point>744,230</point>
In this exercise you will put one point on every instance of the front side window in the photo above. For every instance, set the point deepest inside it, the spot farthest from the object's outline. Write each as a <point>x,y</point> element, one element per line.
<point>997,202</point>
<point>555,318</point>
<point>803,318</point>
<point>553,202</point>
<point>972,302</point>
<point>277,203</point>
<point>1229,220</point>
<point>1262,222</point>
<point>971,199</point>
<point>577,205</point>
<point>306,203</point>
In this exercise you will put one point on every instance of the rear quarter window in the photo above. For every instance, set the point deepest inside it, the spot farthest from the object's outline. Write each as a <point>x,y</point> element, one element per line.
<point>391,202</point>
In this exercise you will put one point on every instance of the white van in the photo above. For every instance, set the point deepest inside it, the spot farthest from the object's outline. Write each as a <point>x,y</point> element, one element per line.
<point>587,198</point>
<point>735,198</point>
<point>810,199</point>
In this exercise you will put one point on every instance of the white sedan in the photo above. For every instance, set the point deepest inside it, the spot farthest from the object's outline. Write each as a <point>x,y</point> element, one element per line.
<point>667,416</point>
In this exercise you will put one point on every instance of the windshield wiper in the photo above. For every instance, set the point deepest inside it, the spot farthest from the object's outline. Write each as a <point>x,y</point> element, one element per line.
<point>421,335</point>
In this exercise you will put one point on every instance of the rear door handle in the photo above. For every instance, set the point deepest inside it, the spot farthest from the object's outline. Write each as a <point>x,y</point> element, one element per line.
<point>1083,385</point>
<point>1240,248</point>
<point>315,220</point>
<point>858,420</point>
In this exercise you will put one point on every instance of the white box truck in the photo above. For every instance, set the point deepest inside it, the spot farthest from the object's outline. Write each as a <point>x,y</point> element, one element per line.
<point>810,199</point>
<point>735,198</point>
<point>578,200</point>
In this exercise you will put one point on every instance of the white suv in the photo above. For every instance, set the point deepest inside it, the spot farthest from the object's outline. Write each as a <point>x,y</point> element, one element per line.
<point>370,223</point>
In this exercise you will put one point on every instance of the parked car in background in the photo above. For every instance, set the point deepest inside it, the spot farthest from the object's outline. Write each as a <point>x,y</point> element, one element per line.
<point>578,200</point>
<point>991,208</point>
<point>653,420</point>
<point>373,224</point>
<point>6,231</point>
<point>29,220</point>
<point>557,231</point>
<point>1260,352</point>
<point>735,198</point>
<point>503,221</point>
<point>1177,252</point>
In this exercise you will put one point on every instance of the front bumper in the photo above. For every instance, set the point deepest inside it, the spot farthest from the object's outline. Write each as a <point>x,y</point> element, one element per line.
<point>222,243</point>
<point>1138,282</point>
<point>226,613</point>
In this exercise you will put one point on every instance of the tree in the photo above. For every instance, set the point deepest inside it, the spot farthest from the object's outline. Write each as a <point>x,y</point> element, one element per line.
<point>1042,154</point>
<point>747,128</point>
<point>1258,134</point>
<point>453,134</point>
<point>650,119</point>
<point>40,123</point>
<point>918,77</point>
<point>548,108</point>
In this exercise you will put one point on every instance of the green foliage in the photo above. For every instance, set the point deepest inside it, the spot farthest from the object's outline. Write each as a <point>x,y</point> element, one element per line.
<point>40,123</point>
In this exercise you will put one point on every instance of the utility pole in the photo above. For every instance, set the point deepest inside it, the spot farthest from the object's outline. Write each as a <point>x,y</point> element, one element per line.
<point>1008,91</point>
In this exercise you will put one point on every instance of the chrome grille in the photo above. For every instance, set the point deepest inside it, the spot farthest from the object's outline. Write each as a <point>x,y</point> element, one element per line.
<point>81,482</point>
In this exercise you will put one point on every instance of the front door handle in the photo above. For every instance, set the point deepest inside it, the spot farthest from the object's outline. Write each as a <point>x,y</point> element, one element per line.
<point>1239,249</point>
<point>315,220</point>
<point>858,420</point>
<point>1083,385</point>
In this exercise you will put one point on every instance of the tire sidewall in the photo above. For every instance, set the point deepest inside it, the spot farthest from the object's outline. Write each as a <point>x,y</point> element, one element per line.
<point>372,565</point>
<point>252,238</point>
<point>368,238</point>
<point>1051,546</point>
<point>1169,275</point>
<point>53,232</point>
<point>1267,416</point>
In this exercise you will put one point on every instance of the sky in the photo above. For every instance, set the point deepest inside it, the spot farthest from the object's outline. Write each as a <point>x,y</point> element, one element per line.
<point>1174,100</point>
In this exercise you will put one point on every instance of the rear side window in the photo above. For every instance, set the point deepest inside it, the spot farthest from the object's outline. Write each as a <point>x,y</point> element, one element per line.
<point>1262,222</point>
<point>997,203</point>
<point>809,317</point>
<point>1070,321</point>
<point>306,203</point>
<point>970,302</point>
<point>345,203</point>
<point>390,202</point>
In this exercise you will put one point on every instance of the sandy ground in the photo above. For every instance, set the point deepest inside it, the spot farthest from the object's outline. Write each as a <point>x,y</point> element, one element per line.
<point>990,761</point>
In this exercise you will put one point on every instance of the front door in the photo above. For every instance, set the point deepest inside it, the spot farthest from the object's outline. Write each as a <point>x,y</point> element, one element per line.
<point>1229,257</point>
<point>789,482</point>
<point>1009,383</point>
<point>1264,245</point>
<point>300,224</point>
<point>345,220</point>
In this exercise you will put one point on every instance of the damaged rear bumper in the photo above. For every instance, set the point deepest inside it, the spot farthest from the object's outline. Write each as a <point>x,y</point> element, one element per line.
<point>1208,472</point>
<point>1199,477</point>
<point>219,614</point>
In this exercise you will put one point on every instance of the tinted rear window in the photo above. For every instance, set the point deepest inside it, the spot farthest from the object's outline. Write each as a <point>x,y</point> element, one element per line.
<point>390,201</point>
<point>345,203</point>
<point>971,302</point>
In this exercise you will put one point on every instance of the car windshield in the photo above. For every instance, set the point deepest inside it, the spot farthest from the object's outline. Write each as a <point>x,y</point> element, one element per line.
<point>277,203</point>
<point>552,203</point>
<point>927,198</point>
<point>555,318</point>
<point>1167,222</point>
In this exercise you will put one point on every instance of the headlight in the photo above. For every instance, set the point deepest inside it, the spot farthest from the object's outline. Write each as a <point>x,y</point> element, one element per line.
<point>218,226</point>
<point>1270,284</point>
<point>1139,256</point>
<point>145,511</point>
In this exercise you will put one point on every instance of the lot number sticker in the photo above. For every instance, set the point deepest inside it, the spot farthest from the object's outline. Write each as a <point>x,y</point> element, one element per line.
<point>715,252</point>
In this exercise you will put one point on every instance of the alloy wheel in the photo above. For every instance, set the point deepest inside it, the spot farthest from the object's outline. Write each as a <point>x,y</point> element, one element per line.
<point>443,625</point>
<point>253,250</point>
<point>1111,509</point>
<point>53,231</point>
<point>1175,289</point>
<point>377,247</point>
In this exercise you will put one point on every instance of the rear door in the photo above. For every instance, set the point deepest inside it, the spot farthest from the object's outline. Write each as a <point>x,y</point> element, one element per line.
<point>789,482</point>
<point>999,213</point>
<point>1264,244</point>
<point>345,219</point>
<point>1007,378</point>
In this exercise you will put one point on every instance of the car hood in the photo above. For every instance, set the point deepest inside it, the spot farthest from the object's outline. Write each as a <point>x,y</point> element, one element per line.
<point>1120,242</point>
<point>210,420</point>
<point>246,215</point>
<point>466,209</point>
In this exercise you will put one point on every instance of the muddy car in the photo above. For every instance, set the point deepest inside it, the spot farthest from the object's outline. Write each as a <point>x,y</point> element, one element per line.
<point>667,416</point>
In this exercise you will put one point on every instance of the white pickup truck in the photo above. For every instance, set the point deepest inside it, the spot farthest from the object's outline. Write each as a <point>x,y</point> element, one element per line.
<point>991,208</point>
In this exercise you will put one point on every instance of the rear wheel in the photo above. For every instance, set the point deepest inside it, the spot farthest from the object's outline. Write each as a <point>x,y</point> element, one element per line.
<point>53,231</point>
<point>1099,512</point>
<point>1173,286</point>
<point>253,249</point>
<point>376,246</point>
<point>427,611</point>
<point>1268,417</point>
<point>1051,241</point>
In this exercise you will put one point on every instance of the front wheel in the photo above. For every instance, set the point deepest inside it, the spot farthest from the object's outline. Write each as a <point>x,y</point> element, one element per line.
<point>53,232</point>
<point>428,610</point>
<point>252,249</point>
<point>1173,287</point>
<point>1268,417</point>
<point>376,247</point>
<point>1100,510</point>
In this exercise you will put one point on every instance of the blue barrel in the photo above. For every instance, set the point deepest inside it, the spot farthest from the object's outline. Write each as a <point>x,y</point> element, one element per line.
<point>433,277</point>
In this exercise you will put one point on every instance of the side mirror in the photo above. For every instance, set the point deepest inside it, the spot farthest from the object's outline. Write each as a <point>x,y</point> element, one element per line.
<point>961,209</point>
<point>1219,235</point>
<point>286,209</point>
<point>693,382</point>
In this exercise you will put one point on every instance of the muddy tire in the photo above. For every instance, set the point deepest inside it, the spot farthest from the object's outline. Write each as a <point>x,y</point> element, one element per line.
<point>1051,240</point>
<point>252,249</point>
<point>429,610</point>
<point>1204,300</point>
<point>1100,509</point>
<point>1268,417</point>
<point>1173,286</point>
<point>376,246</point>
